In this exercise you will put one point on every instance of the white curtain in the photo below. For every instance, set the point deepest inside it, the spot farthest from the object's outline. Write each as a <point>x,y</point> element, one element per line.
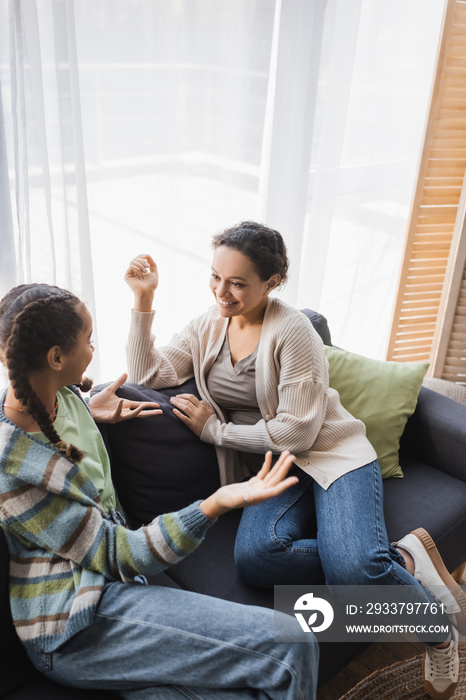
<point>133,126</point>
<point>45,232</point>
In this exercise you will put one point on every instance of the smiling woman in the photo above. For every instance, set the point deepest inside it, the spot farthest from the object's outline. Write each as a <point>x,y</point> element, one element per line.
<point>263,379</point>
<point>258,363</point>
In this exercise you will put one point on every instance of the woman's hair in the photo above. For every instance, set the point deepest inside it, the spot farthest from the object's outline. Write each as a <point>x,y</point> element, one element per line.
<point>33,319</point>
<point>263,246</point>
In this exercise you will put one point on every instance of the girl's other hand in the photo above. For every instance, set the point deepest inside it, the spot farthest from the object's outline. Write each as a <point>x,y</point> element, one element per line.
<point>107,407</point>
<point>266,484</point>
<point>143,278</point>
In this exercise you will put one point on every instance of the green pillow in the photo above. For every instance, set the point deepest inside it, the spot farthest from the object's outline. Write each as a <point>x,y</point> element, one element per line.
<point>381,394</point>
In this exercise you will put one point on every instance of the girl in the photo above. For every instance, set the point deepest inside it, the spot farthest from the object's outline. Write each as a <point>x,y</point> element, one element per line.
<point>74,567</point>
<point>262,374</point>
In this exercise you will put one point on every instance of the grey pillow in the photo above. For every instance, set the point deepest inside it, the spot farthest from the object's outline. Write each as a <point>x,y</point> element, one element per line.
<point>158,464</point>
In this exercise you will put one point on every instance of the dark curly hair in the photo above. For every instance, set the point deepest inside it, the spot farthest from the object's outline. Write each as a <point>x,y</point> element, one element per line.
<point>34,318</point>
<point>262,245</point>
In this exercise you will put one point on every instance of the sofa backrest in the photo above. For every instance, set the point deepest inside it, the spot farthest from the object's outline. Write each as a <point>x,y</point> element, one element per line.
<point>320,324</point>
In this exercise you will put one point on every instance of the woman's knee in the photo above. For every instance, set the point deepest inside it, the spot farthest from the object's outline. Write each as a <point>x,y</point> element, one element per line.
<point>257,544</point>
<point>254,559</point>
<point>357,571</point>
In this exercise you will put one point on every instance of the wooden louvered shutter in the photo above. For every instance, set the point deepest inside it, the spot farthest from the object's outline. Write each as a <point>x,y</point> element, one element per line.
<point>449,347</point>
<point>431,261</point>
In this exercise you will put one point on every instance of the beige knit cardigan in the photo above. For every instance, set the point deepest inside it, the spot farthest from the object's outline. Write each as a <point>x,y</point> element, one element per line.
<point>300,412</point>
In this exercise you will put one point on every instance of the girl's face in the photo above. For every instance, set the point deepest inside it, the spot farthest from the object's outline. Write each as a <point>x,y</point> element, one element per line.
<point>236,286</point>
<point>76,362</point>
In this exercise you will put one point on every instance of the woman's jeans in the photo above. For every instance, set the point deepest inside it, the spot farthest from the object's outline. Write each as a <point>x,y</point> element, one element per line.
<point>157,643</point>
<point>309,535</point>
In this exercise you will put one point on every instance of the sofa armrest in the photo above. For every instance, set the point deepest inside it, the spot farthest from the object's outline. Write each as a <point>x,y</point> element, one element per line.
<point>436,433</point>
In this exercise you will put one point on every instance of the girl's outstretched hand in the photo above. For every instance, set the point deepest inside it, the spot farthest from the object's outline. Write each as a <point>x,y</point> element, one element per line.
<point>107,407</point>
<point>266,484</point>
<point>143,278</point>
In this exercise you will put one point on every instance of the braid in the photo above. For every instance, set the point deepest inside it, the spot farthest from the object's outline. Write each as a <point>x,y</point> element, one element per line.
<point>29,338</point>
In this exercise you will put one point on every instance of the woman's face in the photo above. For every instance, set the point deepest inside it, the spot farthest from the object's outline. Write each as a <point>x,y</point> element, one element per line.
<point>236,286</point>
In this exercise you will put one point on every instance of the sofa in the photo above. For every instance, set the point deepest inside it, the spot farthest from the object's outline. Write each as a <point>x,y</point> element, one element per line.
<point>158,465</point>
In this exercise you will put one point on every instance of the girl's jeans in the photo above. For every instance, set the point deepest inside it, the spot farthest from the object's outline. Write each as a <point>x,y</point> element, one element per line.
<point>157,643</point>
<point>309,535</point>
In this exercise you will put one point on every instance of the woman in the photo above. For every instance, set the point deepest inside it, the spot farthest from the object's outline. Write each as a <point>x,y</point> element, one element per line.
<point>263,377</point>
<point>74,567</point>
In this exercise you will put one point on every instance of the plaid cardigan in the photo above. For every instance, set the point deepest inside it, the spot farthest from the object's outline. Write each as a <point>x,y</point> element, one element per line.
<point>63,548</point>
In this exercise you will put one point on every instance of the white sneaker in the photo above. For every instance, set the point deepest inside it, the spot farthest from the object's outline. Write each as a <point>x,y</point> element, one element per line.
<point>441,669</point>
<point>432,573</point>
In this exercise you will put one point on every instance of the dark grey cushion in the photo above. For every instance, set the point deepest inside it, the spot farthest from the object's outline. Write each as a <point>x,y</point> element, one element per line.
<point>211,569</point>
<point>158,464</point>
<point>320,324</point>
<point>428,498</point>
<point>436,433</point>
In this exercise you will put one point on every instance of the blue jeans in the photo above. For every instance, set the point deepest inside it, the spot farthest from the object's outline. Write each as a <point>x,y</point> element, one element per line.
<point>309,535</point>
<point>157,643</point>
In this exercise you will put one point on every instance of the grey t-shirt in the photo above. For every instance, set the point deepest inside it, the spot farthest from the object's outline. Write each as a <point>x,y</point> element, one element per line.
<point>233,388</point>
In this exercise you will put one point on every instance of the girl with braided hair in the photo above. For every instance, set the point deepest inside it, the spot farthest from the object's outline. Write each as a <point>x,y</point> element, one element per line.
<point>75,569</point>
<point>39,321</point>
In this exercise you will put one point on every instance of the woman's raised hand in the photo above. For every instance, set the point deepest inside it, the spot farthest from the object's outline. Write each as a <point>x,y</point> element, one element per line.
<point>143,278</point>
<point>266,484</point>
